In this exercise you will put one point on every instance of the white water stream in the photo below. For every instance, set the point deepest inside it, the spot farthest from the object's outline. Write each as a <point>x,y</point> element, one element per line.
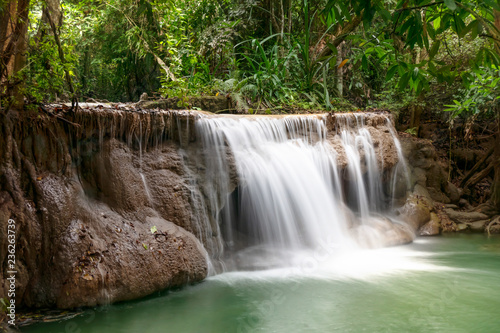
<point>292,197</point>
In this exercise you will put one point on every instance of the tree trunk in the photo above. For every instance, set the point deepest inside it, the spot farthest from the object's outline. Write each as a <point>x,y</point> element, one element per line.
<point>13,43</point>
<point>495,187</point>
<point>339,77</point>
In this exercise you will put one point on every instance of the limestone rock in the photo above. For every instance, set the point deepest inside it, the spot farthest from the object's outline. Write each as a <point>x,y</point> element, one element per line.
<point>465,217</point>
<point>453,192</point>
<point>432,227</point>
<point>438,195</point>
<point>464,204</point>
<point>478,226</point>
<point>415,212</point>
<point>451,206</point>
<point>447,225</point>
<point>419,176</point>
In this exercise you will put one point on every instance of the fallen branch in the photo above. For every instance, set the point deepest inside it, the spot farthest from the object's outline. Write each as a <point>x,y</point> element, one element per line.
<point>50,114</point>
<point>477,166</point>
<point>419,7</point>
<point>481,175</point>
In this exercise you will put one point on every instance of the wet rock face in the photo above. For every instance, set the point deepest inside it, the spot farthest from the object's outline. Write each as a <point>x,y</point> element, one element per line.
<point>428,171</point>
<point>105,249</point>
<point>85,202</point>
<point>123,260</point>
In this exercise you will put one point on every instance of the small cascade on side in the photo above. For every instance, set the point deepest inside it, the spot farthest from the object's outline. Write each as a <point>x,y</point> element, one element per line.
<point>139,142</point>
<point>401,173</point>
<point>280,186</point>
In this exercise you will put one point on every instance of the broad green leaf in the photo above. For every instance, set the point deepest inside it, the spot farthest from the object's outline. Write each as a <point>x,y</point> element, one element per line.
<point>391,72</point>
<point>437,23</point>
<point>414,75</point>
<point>469,28</point>
<point>432,68</point>
<point>450,4</point>
<point>364,62</point>
<point>403,82</point>
<point>459,26</point>
<point>493,4</point>
<point>434,49</point>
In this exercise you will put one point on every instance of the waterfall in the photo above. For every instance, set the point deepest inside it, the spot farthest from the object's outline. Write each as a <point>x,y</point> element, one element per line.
<point>279,186</point>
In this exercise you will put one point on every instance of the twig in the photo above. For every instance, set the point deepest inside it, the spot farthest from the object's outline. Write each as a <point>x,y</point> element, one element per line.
<point>419,7</point>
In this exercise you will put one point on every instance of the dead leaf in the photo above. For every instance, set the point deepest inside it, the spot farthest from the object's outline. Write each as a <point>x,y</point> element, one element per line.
<point>88,277</point>
<point>342,64</point>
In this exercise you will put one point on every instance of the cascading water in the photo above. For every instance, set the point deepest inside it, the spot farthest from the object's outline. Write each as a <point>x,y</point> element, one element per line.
<point>282,186</point>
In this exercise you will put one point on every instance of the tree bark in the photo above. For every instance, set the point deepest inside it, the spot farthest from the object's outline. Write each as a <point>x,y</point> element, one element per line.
<point>476,166</point>
<point>343,32</point>
<point>339,75</point>
<point>13,44</point>
<point>50,19</point>
<point>495,188</point>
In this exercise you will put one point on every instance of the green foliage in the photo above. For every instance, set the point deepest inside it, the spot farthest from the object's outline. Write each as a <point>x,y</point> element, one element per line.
<point>267,76</point>
<point>392,52</point>
<point>44,73</point>
<point>480,96</point>
<point>412,131</point>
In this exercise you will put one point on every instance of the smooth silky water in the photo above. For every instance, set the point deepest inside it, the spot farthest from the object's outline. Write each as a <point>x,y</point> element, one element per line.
<point>438,284</point>
<point>294,218</point>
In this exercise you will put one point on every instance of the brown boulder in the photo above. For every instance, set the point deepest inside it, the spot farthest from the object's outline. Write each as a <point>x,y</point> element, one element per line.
<point>432,227</point>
